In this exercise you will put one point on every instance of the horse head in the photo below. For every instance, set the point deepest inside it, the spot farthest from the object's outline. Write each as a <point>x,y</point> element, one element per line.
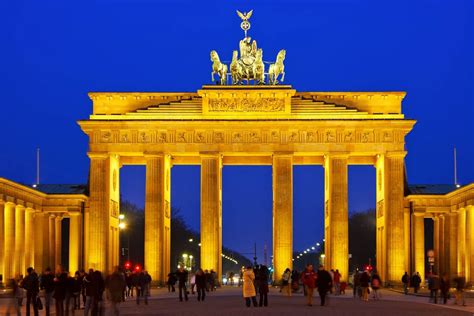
<point>235,55</point>
<point>214,56</point>
<point>281,55</point>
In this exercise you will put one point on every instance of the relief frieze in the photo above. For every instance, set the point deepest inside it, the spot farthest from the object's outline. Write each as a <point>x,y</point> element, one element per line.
<point>247,105</point>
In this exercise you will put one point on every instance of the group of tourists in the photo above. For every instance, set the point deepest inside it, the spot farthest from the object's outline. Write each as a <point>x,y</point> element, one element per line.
<point>85,290</point>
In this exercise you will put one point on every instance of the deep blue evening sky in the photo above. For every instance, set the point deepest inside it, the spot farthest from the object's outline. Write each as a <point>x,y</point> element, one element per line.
<point>54,52</point>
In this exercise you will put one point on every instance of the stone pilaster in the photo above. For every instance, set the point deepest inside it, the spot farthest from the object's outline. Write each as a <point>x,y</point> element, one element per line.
<point>282,214</point>
<point>418,221</point>
<point>57,240</point>
<point>10,226</point>
<point>41,240</point>
<point>52,241</point>
<point>336,214</point>
<point>441,256</point>
<point>20,240</point>
<point>157,216</point>
<point>451,243</point>
<point>390,186</point>
<point>2,238</point>
<point>30,236</point>
<point>211,212</point>
<point>461,239</point>
<point>75,241</point>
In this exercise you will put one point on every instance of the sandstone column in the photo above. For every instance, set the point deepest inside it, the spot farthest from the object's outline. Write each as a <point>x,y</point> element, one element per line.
<point>419,243</point>
<point>211,212</point>
<point>57,240</point>
<point>336,214</point>
<point>2,238</point>
<point>282,214</point>
<point>469,243</point>
<point>461,239</point>
<point>436,268</point>
<point>157,216</point>
<point>52,241</point>
<point>30,236</point>
<point>75,241</point>
<point>442,254</point>
<point>41,232</point>
<point>20,240</point>
<point>451,243</point>
<point>10,226</point>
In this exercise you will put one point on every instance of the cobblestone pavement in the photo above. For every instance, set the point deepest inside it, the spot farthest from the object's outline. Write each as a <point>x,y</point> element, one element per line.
<point>228,301</point>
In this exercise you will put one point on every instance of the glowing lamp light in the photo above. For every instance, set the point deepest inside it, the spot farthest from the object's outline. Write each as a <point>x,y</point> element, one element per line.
<point>190,240</point>
<point>137,267</point>
<point>127,265</point>
<point>323,256</point>
<point>121,216</point>
<point>313,248</point>
<point>122,225</point>
<point>318,244</point>
<point>185,255</point>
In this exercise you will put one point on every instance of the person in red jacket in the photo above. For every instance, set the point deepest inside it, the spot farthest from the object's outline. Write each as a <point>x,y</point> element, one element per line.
<point>309,281</point>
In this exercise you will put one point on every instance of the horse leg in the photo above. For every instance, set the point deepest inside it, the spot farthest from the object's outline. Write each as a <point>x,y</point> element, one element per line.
<point>212,76</point>
<point>282,76</point>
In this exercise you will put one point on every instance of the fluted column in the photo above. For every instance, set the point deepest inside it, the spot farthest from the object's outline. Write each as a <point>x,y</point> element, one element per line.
<point>41,240</point>
<point>211,212</point>
<point>10,226</point>
<point>20,240</point>
<point>52,241</point>
<point>436,243</point>
<point>461,237</point>
<point>336,214</point>
<point>390,167</point>
<point>442,254</point>
<point>157,216</point>
<point>2,238</point>
<point>419,243</point>
<point>57,240</point>
<point>470,243</point>
<point>30,236</point>
<point>451,243</point>
<point>75,241</point>
<point>282,214</point>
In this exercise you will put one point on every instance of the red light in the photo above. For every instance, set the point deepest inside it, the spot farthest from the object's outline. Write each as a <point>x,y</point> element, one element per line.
<point>137,268</point>
<point>127,265</point>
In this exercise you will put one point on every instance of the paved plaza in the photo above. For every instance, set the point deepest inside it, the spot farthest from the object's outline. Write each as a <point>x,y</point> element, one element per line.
<point>228,301</point>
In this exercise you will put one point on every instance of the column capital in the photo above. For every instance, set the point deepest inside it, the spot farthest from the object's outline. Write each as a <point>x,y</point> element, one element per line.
<point>98,155</point>
<point>336,155</point>
<point>210,154</point>
<point>395,154</point>
<point>151,155</point>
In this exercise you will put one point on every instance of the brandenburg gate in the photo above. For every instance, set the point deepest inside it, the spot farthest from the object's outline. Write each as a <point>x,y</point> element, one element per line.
<point>240,124</point>
<point>247,125</point>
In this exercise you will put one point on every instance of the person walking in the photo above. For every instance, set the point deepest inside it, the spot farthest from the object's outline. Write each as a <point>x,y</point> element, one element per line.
<point>444,287</point>
<point>364,284</point>
<point>286,282</point>
<point>248,288</point>
<point>98,307</point>
<point>171,282</point>
<point>460,285</point>
<point>406,282</point>
<point>76,290</point>
<point>200,285</point>
<point>434,285</point>
<point>90,291</point>
<point>12,308</point>
<point>355,282</point>
<point>60,287</point>
<point>182,276</point>
<point>308,278</point>
<point>324,283</point>
<point>337,282</point>
<point>31,285</point>
<point>263,286</point>
<point>47,284</point>
<point>115,287</point>
<point>375,284</point>
<point>416,281</point>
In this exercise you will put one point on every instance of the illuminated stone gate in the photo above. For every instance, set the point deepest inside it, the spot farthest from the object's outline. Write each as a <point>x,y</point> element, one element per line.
<point>247,125</point>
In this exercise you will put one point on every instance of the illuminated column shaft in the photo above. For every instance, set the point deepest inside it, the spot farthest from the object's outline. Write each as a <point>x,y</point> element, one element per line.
<point>41,233</point>
<point>211,212</point>
<point>282,214</point>
<point>436,243</point>
<point>470,243</point>
<point>451,243</point>
<point>157,216</point>
<point>336,217</point>
<point>20,240</point>
<point>52,242</point>
<point>75,241</point>
<point>461,238</point>
<point>2,238</point>
<point>419,243</point>
<point>30,236</point>
<point>57,240</point>
<point>9,252</point>
<point>441,257</point>
<point>393,165</point>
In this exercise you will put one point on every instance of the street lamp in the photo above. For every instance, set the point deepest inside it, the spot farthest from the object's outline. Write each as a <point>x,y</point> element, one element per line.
<point>191,261</point>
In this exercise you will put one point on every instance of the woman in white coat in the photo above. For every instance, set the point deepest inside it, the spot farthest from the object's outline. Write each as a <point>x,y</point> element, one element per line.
<point>248,289</point>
